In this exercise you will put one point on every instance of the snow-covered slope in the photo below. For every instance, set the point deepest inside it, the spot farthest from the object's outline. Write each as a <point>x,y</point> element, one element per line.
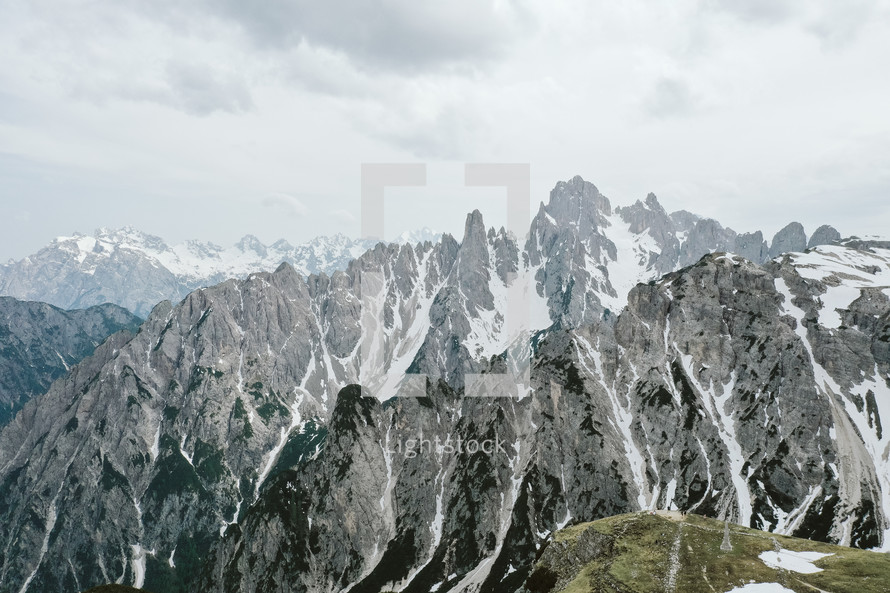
<point>844,273</point>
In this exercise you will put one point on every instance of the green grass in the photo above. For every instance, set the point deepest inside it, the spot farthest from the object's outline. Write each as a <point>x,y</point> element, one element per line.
<point>581,584</point>
<point>641,559</point>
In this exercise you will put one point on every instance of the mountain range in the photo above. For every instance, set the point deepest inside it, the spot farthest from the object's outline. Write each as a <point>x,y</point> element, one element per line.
<point>136,271</point>
<point>267,433</point>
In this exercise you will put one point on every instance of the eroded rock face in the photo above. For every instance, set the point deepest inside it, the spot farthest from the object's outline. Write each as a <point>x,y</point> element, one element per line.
<point>752,247</point>
<point>229,433</point>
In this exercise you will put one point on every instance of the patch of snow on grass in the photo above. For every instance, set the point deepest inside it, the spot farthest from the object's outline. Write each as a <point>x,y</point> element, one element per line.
<point>761,588</point>
<point>800,562</point>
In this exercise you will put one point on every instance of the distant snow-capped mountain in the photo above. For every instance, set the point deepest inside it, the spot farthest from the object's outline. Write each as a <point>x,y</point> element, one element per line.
<point>418,236</point>
<point>137,271</point>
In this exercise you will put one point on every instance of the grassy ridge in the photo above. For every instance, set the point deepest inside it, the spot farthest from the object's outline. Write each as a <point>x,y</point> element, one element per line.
<point>643,553</point>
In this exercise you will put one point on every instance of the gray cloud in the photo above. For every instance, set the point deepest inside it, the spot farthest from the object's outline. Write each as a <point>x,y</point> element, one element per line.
<point>834,22</point>
<point>390,34</point>
<point>670,97</point>
<point>195,89</point>
<point>285,204</point>
<point>200,90</point>
<point>450,132</point>
<point>837,22</point>
<point>776,103</point>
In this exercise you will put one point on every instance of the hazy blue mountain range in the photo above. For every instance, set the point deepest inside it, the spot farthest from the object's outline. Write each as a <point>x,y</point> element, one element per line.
<point>39,343</point>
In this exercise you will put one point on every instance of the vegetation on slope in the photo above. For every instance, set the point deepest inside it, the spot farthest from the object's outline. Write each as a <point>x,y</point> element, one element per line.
<point>669,552</point>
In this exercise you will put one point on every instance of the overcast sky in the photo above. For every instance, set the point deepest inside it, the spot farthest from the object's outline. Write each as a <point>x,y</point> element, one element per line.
<point>215,118</point>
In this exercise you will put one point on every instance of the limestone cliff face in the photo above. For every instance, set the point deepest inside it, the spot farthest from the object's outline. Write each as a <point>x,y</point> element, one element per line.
<point>228,446</point>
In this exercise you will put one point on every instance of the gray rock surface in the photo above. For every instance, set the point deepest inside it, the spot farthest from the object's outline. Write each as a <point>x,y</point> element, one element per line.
<point>752,247</point>
<point>707,236</point>
<point>136,270</point>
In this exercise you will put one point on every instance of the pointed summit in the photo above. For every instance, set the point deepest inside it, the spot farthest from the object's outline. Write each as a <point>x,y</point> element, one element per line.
<point>579,203</point>
<point>474,228</point>
<point>789,239</point>
<point>474,261</point>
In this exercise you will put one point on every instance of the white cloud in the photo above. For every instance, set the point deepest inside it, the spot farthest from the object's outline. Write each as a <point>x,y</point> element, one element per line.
<point>343,215</point>
<point>285,204</point>
<point>716,107</point>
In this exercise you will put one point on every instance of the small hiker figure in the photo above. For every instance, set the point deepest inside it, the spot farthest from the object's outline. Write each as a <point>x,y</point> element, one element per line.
<point>726,546</point>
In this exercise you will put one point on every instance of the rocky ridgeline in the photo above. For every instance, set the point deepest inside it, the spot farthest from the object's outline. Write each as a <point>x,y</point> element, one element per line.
<point>226,448</point>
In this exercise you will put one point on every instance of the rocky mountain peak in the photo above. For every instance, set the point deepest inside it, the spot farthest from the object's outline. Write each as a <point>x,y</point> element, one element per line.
<point>282,245</point>
<point>752,246</point>
<point>353,409</point>
<point>578,203</point>
<point>474,229</point>
<point>40,343</point>
<point>684,220</point>
<point>791,238</point>
<point>473,264</point>
<point>251,243</point>
<point>648,215</point>
<point>129,236</point>
<point>824,235</point>
<point>653,204</point>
